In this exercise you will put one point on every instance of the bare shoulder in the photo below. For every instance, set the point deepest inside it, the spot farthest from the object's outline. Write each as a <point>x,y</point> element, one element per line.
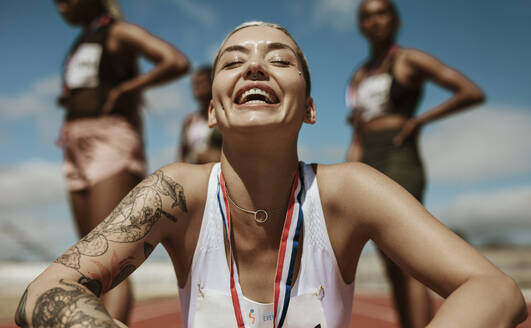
<point>130,36</point>
<point>351,176</point>
<point>192,179</point>
<point>355,189</point>
<point>418,58</point>
<point>123,29</point>
<point>357,75</point>
<point>342,185</point>
<point>414,54</point>
<point>124,37</point>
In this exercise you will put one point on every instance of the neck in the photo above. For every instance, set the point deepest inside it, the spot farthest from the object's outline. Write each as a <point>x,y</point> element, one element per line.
<point>380,50</point>
<point>260,179</point>
<point>90,18</point>
<point>203,108</point>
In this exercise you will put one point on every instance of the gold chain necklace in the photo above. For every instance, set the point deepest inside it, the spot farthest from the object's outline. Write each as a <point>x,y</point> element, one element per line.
<point>260,215</point>
<point>262,218</point>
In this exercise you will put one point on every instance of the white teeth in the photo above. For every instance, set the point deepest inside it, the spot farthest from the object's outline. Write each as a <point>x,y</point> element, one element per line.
<point>256,91</point>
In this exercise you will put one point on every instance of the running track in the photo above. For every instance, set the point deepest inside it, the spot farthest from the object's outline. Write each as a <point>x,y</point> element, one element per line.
<point>372,312</point>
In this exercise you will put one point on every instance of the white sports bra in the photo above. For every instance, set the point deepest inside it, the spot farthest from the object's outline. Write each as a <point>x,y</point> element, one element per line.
<point>319,297</point>
<point>372,97</point>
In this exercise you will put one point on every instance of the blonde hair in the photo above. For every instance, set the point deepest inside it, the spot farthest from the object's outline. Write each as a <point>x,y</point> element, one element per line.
<point>300,54</point>
<point>112,8</point>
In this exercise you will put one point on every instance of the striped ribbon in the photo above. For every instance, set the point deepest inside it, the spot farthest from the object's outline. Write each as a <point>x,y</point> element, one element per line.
<point>287,254</point>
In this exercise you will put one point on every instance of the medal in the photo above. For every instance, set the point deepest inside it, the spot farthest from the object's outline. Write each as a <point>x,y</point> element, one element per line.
<point>287,254</point>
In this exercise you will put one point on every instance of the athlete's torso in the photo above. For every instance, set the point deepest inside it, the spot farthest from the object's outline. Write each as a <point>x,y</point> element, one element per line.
<point>380,99</point>
<point>91,70</point>
<point>319,294</point>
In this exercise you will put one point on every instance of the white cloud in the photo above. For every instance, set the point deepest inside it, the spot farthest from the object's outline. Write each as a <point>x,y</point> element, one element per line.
<point>168,99</point>
<point>36,234</point>
<point>322,154</point>
<point>487,143</point>
<point>338,14</point>
<point>29,184</point>
<point>37,102</point>
<point>200,11</point>
<point>38,98</point>
<point>509,205</point>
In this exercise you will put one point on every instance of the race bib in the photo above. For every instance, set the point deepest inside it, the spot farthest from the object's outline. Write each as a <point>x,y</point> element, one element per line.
<point>83,66</point>
<point>214,309</point>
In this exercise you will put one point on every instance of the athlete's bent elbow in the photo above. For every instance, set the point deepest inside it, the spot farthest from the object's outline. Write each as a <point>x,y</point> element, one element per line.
<point>513,301</point>
<point>476,96</point>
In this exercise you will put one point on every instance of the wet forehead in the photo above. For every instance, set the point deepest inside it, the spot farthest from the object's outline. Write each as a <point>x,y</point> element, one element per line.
<point>258,37</point>
<point>374,5</point>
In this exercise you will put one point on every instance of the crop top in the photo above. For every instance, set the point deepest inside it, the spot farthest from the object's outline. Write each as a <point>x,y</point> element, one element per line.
<point>90,71</point>
<point>381,94</point>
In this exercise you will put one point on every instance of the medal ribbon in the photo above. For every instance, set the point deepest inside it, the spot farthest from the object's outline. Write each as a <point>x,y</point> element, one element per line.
<point>287,254</point>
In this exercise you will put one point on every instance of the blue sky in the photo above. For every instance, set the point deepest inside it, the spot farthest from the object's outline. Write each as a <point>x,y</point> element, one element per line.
<point>478,162</point>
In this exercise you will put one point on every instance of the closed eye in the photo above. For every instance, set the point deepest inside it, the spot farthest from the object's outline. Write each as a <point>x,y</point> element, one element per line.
<point>232,64</point>
<point>281,62</point>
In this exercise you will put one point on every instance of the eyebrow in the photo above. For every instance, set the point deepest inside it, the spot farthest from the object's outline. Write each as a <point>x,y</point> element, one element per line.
<point>270,46</point>
<point>234,48</point>
<point>280,45</point>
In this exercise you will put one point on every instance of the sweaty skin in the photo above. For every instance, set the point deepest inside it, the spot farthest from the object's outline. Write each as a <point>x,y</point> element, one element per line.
<point>259,159</point>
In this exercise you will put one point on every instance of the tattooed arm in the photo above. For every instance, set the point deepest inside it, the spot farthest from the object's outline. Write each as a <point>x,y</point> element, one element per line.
<point>67,293</point>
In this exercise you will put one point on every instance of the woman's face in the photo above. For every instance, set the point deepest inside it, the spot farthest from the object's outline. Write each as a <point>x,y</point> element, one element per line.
<point>257,82</point>
<point>201,86</point>
<point>377,21</point>
<point>74,11</point>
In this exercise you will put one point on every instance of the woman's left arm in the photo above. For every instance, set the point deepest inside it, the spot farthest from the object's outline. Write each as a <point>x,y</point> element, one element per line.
<point>135,41</point>
<point>428,68</point>
<point>477,293</point>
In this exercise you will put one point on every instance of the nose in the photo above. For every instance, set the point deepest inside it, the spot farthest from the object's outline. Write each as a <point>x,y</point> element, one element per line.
<point>255,71</point>
<point>371,21</point>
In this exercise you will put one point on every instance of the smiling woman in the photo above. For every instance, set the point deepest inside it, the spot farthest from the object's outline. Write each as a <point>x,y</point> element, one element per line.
<point>261,239</point>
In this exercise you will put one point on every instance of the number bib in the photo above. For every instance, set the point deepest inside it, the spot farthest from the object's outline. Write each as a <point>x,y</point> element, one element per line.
<point>214,309</point>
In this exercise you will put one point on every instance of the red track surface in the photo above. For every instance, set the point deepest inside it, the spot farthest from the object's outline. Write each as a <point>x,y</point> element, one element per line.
<point>375,312</point>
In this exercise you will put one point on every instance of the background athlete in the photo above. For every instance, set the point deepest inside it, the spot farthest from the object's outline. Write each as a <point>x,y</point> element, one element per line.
<point>102,131</point>
<point>383,95</point>
<point>199,143</point>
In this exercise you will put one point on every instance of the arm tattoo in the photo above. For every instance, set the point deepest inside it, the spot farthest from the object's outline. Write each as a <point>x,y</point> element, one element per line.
<point>70,306</point>
<point>124,273</point>
<point>131,220</point>
<point>94,285</point>
<point>20,316</point>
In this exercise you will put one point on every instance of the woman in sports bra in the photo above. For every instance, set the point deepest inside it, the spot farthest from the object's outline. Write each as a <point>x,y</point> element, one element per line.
<point>199,143</point>
<point>102,131</point>
<point>383,96</point>
<point>261,239</point>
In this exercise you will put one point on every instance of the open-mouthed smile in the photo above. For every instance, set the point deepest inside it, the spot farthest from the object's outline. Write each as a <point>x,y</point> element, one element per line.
<point>256,94</point>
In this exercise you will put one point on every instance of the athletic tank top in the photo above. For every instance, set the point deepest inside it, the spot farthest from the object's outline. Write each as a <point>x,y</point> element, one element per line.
<point>90,71</point>
<point>319,296</point>
<point>381,94</point>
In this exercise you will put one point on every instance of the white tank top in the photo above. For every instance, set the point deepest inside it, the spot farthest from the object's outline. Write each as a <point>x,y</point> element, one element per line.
<point>319,297</point>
